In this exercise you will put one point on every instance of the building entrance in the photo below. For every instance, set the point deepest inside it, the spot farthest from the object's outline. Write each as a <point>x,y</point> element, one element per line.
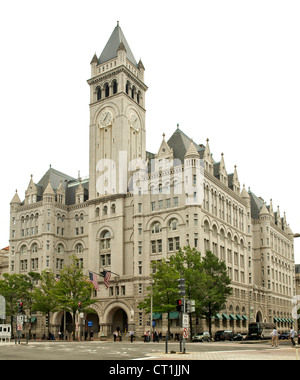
<point>68,325</point>
<point>119,320</point>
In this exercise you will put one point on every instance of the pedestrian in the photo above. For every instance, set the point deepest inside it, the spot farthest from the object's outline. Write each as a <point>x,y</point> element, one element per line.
<point>115,333</point>
<point>292,336</point>
<point>274,338</point>
<point>131,335</point>
<point>160,335</point>
<point>145,336</point>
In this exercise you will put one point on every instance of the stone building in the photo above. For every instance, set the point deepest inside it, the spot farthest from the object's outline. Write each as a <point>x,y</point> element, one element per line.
<point>4,253</point>
<point>137,206</point>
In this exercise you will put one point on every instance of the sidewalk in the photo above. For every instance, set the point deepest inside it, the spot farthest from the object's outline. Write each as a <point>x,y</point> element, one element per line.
<point>280,353</point>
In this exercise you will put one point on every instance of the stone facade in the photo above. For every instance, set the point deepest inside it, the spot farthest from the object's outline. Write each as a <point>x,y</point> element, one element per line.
<point>4,253</point>
<point>137,206</point>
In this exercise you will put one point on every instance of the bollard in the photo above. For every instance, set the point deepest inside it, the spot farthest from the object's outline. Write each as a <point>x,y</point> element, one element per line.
<point>167,343</point>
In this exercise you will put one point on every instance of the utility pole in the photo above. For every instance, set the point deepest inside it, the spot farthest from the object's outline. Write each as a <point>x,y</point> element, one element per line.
<point>183,315</point>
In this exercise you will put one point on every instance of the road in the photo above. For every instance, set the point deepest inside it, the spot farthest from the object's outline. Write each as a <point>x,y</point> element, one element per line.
<point>96,350</point>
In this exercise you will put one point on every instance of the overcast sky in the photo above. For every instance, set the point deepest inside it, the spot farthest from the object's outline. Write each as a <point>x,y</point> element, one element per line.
<point>224,70</point>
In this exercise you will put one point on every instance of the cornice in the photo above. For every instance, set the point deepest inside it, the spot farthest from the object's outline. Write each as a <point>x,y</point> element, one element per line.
<point>109,74</point>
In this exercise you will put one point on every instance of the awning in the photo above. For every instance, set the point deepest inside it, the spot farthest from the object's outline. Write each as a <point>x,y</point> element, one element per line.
<point>231,316</point>
<point>275,319</point>
<point>239,317</point>
<point>156,316</point>
<point>245,318</point>
<point>225,316</point>
<point>173,315</point>
<point>218,316</point>
<point>33,319</point>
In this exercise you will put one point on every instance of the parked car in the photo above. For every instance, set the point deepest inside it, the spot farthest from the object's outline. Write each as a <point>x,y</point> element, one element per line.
<point>284,335</point>
<point>223,335</point>
<point>201,337</point>
<point>238,337</point>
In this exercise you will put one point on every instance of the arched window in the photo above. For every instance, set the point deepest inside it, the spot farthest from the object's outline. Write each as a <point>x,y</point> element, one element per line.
<point>105,240</point>
<point>60,249</point>
<point>173,225</point>
<point>206,227</point>
<point>127,87</point>
<point>79,248</point>
<point>115,87</point>
<point>23,250</point>
<point>34,248</point>
<point>98,93</point>
<point>106,90</point>
<point>133,90</point>
<point>156,228</point>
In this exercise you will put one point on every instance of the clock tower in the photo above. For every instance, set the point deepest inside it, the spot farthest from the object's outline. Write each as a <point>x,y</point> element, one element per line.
<point>117,116</point>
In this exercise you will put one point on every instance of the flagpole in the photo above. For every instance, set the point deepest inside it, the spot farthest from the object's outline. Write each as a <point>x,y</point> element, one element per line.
<point>100,274</point>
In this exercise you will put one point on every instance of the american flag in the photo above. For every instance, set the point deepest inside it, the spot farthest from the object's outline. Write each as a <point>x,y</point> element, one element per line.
<point>94,280</point>
<point>106,276</point>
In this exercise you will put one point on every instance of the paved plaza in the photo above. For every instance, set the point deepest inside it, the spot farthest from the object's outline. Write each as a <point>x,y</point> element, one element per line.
<point>96,350</point>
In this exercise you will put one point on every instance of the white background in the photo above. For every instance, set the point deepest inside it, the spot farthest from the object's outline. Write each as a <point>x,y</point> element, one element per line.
<point>224,70</point>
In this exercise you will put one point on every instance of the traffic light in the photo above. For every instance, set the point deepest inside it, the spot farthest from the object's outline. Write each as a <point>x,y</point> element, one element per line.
<point>20,307</point>
<point>79,306</point>
<point>180,305</point>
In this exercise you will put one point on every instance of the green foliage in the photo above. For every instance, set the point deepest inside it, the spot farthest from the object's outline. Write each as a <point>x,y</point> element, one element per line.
<point>51,294</point>
<point>73,287</point>
<point>206,282</point>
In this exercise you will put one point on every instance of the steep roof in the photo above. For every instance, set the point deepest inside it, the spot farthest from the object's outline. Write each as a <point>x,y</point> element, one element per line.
<point>180,143</point>
<point>117,40</point>
<point>256,205</point>
<point>55,178</point>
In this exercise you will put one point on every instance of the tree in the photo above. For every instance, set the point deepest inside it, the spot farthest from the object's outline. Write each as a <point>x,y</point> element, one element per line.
<point>74,288</point>
<point>164,290</point>
<point>16,287</point>
<point>206,282</point>
<point>44,297</point>
<point>215,287</point>
<point>188,262</point>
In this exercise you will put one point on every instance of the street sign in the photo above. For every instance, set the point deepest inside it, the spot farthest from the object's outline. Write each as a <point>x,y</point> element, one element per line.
<point>185,333</point>
<point>20,319</point>
<point>185,320</point>
<point>20,327</point>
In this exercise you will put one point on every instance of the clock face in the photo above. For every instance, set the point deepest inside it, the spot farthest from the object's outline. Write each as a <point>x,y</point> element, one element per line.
<point>105,119</point>
<point>135,121</point>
